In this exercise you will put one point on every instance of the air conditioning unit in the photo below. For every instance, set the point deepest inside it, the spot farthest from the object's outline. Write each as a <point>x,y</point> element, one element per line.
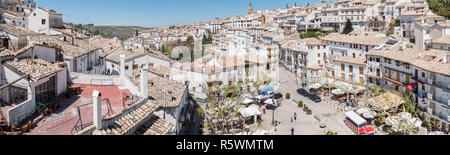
<point>430,96</point>
<point>430,81</point>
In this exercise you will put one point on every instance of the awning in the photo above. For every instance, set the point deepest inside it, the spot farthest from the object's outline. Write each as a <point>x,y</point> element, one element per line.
<point>412,86</point>
<point>267,91</point>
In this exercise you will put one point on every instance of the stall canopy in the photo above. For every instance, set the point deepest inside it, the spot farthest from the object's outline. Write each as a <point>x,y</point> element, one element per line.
<point>266,91</point>
<point>337,92</point>
<point>250,111</point>
<point>247,101</point>
<point>315,86</point>
<point>270,101</point>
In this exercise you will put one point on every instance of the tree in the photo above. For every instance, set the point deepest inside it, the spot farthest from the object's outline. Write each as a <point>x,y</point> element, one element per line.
<point>137,32</point>
<point>204,39</point>
<point>348,27</point>
<point>309,34</point>
<point>210,39</point>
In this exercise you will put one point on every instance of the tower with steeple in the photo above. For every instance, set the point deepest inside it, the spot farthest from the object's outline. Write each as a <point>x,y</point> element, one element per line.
<point>324,1</point>
<point>250,8</point>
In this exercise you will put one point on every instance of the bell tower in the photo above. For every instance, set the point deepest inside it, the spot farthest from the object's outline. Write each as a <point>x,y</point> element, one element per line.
<point>250,8</point>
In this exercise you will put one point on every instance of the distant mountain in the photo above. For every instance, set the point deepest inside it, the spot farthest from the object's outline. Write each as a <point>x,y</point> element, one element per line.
<point>121,32</point>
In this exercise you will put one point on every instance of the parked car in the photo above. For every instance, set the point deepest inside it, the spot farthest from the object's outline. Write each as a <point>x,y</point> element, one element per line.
<point>271,106</point>
<point>315,97</point>
<point>277,96</point>
<point>302,92</point>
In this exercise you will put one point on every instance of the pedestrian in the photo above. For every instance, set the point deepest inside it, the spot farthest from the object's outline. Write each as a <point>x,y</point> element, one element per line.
<point>295,116</point>
<point>292,120</point>
<point>293,131</point>
<point>206,105</point>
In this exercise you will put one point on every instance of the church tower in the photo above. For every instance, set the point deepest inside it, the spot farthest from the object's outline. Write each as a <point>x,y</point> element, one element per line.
<point>250,8</point>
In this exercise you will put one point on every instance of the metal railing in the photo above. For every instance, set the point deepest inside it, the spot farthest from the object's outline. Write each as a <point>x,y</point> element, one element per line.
<point>81,126</point>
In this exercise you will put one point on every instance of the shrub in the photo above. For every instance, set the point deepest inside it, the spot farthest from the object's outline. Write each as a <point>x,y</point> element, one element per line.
<point>288,96</point>
<point>300,104</point>
<point>309,112</point>
<point>305,108</point>
<point>331,133</point>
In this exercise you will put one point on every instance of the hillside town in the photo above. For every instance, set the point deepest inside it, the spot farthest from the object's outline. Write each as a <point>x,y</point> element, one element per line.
<point>362,67</point>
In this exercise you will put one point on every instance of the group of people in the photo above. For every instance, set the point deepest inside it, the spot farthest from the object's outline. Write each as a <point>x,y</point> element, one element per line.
<point>292,121</point>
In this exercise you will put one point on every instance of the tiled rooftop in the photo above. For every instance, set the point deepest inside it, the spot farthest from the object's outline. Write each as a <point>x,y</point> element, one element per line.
<point>131,121</point>
<point>37,69</point>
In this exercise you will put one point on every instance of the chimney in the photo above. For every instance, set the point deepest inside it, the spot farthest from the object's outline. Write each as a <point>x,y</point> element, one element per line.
<point>33,54</point>
<point>446,59</point>
<point>97,103</point>
<point>122,66</point>
<point>144,81</point>
<point>72,35</point>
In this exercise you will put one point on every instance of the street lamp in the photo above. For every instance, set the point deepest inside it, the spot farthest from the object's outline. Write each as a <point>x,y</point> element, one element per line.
<point>273,111</point>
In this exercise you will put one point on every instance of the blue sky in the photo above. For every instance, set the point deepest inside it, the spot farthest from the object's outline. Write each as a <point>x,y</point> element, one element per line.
<point>152,13</point>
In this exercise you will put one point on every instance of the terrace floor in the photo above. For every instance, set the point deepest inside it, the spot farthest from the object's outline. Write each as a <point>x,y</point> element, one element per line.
<point>66,117</point>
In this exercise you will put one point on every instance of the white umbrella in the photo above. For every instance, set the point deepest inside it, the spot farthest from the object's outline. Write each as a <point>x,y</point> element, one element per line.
<point>337,92</point>
<point>259,97</point>
<point>269,101</point>
<point>362,110</point>
<point>404,115</point>
<point>315,86</point>
<point>368,115</point>
<point>247,101</point>
<point>248,96</point>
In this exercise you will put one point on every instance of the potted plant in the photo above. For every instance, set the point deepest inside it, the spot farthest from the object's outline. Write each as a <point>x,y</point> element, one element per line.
<point>24,128</point>
<point>288,96</point>
<point>309,112</point>
<point>300,104</point>
<point>13,127</point>
<point>49,111</point>
<point>30,124</point>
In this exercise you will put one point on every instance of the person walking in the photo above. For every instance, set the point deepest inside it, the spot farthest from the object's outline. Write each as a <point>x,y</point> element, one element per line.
<point>293,131</point>
<point>295,116</point>
<point>292,120</point>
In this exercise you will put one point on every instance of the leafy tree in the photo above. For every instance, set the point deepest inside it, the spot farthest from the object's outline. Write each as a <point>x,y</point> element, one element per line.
<point>309,34</point>
<point>210,39</point>
<point>204,39</point>
<point>390,31</point>
<point>440,7</point>
<point>137,32</point>
<point>397,22</point>
<point>348,27</point>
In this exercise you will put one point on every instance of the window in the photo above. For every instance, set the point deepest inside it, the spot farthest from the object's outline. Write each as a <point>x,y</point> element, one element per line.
<point>354,55</point>
<point>318,55</point>
<point>423,74</point>
<point>43,21</point>
<point>361,70</point>
<point>343,67</point>
<point>350,68</point>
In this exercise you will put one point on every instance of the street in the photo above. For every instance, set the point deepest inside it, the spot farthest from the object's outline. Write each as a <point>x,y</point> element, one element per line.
<point>305,124</point>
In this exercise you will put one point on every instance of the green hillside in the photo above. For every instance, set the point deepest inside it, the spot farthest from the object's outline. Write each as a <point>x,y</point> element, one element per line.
<point>121,32</point>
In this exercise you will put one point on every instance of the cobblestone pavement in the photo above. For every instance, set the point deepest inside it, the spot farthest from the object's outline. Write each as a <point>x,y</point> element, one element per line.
<point>305,124</point>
